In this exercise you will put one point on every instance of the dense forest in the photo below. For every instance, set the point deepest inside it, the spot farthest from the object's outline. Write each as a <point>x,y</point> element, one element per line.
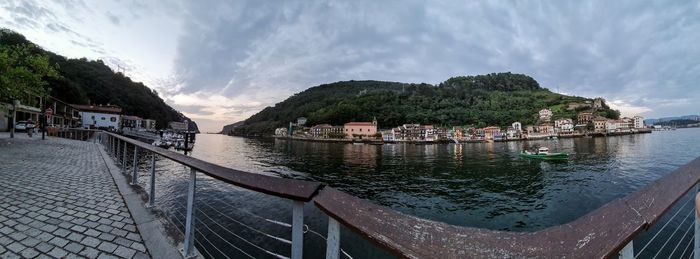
<point>482,100</point>
<point>83,81</point>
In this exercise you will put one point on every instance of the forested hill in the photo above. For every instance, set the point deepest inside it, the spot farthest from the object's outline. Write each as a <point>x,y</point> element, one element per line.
<point>493,99</point>
<point>85,81</point>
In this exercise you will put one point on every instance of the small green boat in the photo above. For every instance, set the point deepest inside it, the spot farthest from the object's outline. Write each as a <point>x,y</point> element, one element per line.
<point>543,153</point>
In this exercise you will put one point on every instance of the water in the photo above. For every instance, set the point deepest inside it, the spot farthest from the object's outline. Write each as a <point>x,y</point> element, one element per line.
<point>482,185</point>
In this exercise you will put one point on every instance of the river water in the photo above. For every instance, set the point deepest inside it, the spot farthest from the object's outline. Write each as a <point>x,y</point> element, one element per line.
<point>485,185</point>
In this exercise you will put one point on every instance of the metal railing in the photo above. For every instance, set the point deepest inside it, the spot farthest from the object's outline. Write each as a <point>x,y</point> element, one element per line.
<point>606,232</point>
<point>72,133</point>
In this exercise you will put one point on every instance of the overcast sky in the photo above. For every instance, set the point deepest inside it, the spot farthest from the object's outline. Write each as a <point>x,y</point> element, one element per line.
<point>220,61</point>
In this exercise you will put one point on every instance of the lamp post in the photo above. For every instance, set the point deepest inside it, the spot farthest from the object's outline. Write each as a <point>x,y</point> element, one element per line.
<point>15,103</point>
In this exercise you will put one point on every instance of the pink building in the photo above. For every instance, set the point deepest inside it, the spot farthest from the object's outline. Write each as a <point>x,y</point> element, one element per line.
<point>360,130</point>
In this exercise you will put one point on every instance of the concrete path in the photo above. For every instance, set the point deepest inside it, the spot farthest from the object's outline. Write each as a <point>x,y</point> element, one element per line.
<point>59,200</point>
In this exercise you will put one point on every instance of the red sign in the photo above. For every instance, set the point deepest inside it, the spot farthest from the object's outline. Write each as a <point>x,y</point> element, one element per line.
<point>49,111</point>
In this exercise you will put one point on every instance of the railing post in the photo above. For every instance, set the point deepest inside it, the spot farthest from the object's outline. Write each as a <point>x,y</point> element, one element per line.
<point>297,229</point>
<point>627,252</point>
<point>124,158</point>
<point>333,241</point>
<point>188,249</point>
<point>135,165</point>
<point>696,250</point>
<point>152,194</point>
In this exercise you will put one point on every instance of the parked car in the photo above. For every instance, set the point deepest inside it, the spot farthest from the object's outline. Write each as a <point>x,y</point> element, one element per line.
<point>24,125</point>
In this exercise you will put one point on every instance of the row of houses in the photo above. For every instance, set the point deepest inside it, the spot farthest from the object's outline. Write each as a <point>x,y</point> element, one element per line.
<point>60,114</point>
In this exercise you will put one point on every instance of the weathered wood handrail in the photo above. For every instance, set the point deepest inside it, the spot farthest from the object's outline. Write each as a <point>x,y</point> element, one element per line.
<point>600,233</point>
<point>280,187</point>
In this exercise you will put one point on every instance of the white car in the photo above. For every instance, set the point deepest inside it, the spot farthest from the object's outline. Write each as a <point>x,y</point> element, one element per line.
<point>24,125</point>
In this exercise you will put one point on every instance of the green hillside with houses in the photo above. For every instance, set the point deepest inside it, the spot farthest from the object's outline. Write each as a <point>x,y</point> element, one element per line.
<point>497,99</point>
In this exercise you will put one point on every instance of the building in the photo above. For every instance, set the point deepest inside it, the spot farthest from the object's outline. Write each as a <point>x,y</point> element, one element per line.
<point>564,125</point>
<point>584,117</point>
<point>545,115</point>
<point>598,103</point>
<point>99,116</point>
<point>545,128</point>
<point>28,108</point>
<point>281,132</point>
<point>301,121</point>
<point>61,114</point>
<point>149,124</point>
<point>612,126</point>
<point>325,131</point>
<point>517,126</point>
<point>131,122</point>
<point>360,130</point>
<point>599,124</point>
<point>491,132</point>
<point>388,135</point>
<point>638,122</point>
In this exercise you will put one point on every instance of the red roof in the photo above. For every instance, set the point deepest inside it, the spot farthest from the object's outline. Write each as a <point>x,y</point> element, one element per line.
<point>100,109</point>
<point>354,123</point>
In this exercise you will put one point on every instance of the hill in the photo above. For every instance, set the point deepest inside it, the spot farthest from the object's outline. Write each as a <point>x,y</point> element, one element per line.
<point>659,121</point>
<point>493,99</point>
<point>83,81</point>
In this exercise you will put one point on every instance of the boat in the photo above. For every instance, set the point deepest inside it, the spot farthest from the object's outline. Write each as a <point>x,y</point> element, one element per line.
<point>543,153</point>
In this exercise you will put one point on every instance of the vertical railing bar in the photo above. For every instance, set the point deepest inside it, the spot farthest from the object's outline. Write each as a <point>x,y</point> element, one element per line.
<point>135,165</point>
<point>188,249</point>
<point>152,193</point>
<point>333,241</point>
<point>696,241</point>
<point>124,158</point>
<point>297,229</point>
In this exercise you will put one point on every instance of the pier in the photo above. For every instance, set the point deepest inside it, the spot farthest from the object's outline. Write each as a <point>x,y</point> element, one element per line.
<point>609,231</point>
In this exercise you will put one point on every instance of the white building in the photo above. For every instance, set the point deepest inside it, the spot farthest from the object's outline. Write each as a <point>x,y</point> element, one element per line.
<point>517,126</point>
<point>99,117</point>
<point>545,114</point>
<point>388,135</point>
<point>638,122</point>
<point>564,125</point>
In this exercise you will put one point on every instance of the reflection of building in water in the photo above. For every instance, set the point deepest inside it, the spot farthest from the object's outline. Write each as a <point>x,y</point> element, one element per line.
<point>457,151</point>
<point>361,155</point>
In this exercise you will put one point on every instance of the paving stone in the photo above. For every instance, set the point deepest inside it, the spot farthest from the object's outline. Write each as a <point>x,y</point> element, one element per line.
<point>79,229</point>
<point>106,256</point>
<point>75,237</point>
<point>57,252</point>
<point>58,241</point>
<point>107,247</point>
<point>139,247</point>
<point>44,247</point>
<point>46,237</point>
<point>16,247</point>
<point>119,232</point>
<point>61,232</point>
<point>30,242</point>
<point>90,241</point>
<point>106,237</point>
<point>29,253</point>
<point>90,252</point>
<point>18,236</point>
<point>124,252</point>
<point>74,247</point>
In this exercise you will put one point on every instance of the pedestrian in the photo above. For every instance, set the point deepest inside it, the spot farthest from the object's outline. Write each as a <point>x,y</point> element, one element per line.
<point>30,128</point>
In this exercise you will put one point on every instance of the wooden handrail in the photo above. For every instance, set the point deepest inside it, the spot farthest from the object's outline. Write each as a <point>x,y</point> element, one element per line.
<point>598,234</point>
<point>280,187</point>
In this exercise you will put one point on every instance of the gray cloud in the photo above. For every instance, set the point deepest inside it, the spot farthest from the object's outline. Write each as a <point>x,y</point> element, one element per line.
<point>113,18</point>
<point>626,50</point>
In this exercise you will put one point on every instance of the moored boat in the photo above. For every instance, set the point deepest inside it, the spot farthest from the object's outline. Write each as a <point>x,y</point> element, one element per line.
<point>543,153</point>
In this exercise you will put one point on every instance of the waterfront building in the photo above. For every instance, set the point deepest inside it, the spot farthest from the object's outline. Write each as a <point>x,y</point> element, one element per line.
<point>517,126</point>
<point>149,124</point>
<point>411,132</point>
<point>281,132</point>
<point>99,116</point>
<point>62,114</point>
<point>429,133</point>
<point>28,108</point>
<point>638,122</point>
<point>599,124</point>
<point>131,122</point>
<point>564,126</point>
<point>545,115</point>
<point>491,132</point>
<point>584,117</point>
<point>320,130</point>
<point>457,133</point>
<point>545,128</point>
<point>388,135</point>
<point>360,130</point>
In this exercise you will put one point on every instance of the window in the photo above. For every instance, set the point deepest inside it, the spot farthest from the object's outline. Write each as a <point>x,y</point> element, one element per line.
<point>93,117</point>
<point>103,118</point>
<point>113,119</point>
<point>360,130</point>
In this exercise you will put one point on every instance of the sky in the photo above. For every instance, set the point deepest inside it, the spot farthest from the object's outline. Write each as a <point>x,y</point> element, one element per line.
<point>220,61</point>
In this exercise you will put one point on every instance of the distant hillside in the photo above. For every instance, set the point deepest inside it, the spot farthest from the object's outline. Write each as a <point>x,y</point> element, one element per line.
<point>228,129</point>
<point>659,121</point>
<point>493,99</point>
<point>85,81</point>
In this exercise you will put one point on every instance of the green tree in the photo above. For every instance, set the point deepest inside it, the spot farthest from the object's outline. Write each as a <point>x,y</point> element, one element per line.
<point>22,71</point>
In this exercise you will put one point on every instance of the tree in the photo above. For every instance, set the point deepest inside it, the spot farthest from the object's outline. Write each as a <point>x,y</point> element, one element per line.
<point>22,71</point>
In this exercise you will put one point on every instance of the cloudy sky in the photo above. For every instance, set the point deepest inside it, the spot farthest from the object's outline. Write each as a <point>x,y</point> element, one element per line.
<point>220,61</point>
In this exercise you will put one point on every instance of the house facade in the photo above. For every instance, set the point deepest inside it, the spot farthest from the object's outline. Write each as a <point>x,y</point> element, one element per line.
<point>360,130</point>
<point>99,117</point>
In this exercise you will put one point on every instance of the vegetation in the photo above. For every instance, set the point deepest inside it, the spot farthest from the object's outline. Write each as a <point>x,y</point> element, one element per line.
<point>494,99</point>
<point>22,71</point>
<point>76,81</point>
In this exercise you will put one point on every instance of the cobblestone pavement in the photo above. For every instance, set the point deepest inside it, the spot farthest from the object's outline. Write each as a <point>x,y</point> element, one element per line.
<point>57,200</point>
